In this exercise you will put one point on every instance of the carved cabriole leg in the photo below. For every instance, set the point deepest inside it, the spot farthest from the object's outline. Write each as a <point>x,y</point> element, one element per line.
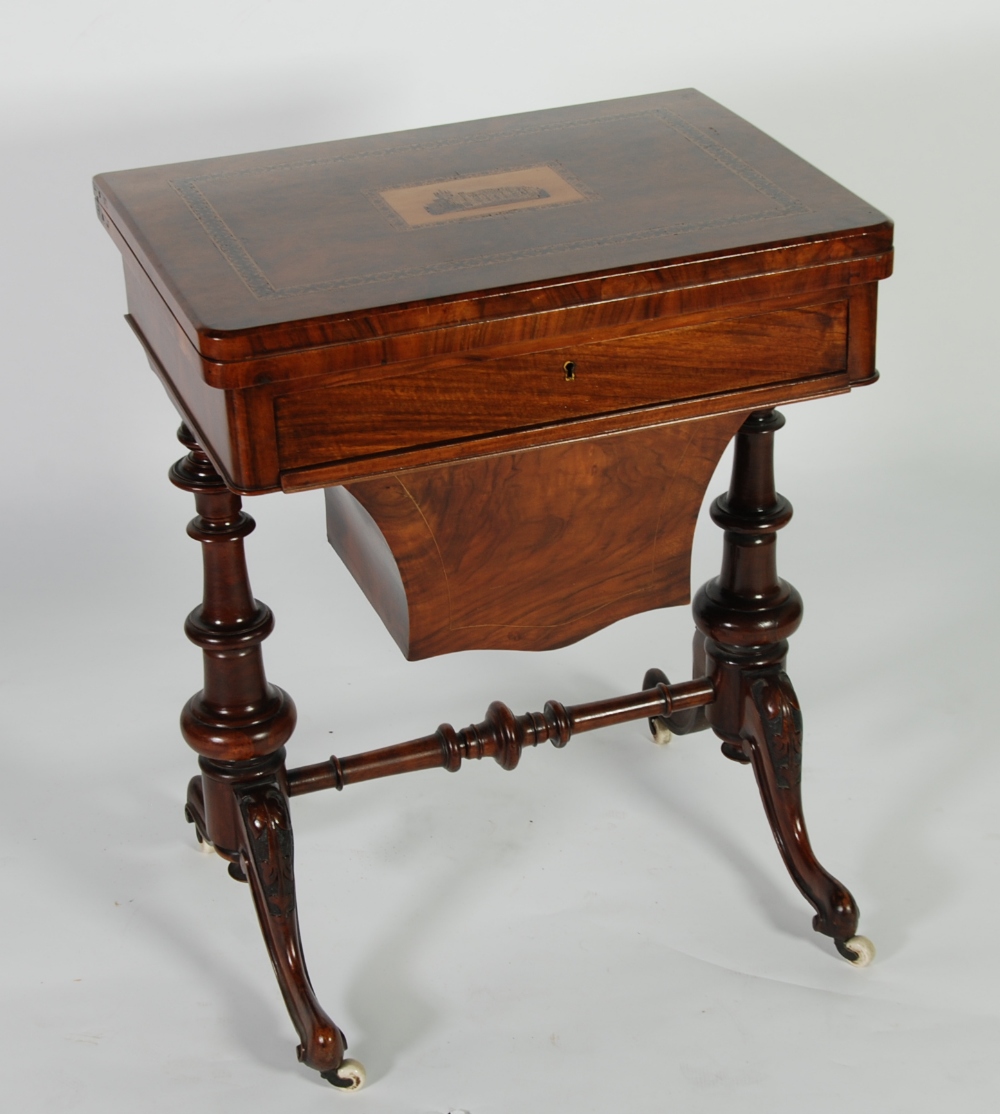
<point>774,733</point>
<point>238,724</point>
<point>746,615</point>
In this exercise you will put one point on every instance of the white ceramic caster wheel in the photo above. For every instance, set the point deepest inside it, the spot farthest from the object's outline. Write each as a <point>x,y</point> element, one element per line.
<point>863,949</point>
<point>205,847</point>
<point>350,1076</point>
<point>661,733</point>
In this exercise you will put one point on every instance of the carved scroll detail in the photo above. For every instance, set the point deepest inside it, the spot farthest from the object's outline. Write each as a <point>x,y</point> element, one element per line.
<point>747,614</point>
<point>781,718</point>
<point>268,825</point>
<point>267,858</point>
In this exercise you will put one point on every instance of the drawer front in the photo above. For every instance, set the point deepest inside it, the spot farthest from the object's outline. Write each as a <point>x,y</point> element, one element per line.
<point>490,396</point>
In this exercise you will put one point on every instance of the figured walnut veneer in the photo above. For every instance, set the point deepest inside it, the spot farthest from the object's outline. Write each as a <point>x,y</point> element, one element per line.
<point>530,550</point>
<point>312,334</point>
<point>512,351</point>
<point>465,398</point>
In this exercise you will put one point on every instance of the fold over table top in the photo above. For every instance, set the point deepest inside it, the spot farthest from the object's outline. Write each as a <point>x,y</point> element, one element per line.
<point>341,242</point>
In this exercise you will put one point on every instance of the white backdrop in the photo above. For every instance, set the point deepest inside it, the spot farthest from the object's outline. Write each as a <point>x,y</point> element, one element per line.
<point>610,927</point>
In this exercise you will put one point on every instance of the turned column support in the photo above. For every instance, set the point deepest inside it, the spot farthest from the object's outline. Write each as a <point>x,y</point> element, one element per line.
<point>502,735</point>
<point>747,612</point>
<point>237,717</point>
<point>238,724</point>
<point>746,615</point>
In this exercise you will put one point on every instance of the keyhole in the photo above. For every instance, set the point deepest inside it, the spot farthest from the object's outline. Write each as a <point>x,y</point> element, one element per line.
<point>569,369</point>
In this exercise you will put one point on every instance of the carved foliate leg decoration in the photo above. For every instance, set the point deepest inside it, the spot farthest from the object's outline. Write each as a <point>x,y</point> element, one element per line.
<point>774,734</point>
<point>238,724</point>
<point>746,615</point>
<point>267,858</point>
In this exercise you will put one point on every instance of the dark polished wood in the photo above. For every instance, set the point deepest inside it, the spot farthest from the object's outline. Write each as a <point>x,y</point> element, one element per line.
<point>501,736</point>
<point>681,721</point>
<point>473,397</point>
<point>237,715</point>
<point>291,249</point>
<point>313,334</point>
<point>530,550</point>
<point>513,352</point>
<point>746,615</point>
<point>238,724</point>
<point>267,861</point>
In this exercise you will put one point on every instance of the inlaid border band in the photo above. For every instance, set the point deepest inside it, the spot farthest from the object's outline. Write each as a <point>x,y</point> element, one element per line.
<point>257,282</point>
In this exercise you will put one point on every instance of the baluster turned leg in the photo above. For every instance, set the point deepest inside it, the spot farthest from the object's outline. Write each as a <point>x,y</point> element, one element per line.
<point>238,724</point>
<point>747,614</point>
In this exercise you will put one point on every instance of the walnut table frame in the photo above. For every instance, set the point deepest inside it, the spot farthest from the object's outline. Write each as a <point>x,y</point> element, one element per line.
<point>512,351</point>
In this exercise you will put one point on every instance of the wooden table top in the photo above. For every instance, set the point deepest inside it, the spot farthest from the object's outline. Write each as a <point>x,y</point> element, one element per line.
<point>320,244</point>
<point>326,313</point>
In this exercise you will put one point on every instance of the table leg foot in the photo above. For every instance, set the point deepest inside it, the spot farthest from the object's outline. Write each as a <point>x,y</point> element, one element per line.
<point>859,951</point>
<point>349,1076</point>
<point>773,730</point>
<point>194,813</point>
<point>735,753</point>
<point>266,857</point>
<point>746,615</point>
<point>238,724</point>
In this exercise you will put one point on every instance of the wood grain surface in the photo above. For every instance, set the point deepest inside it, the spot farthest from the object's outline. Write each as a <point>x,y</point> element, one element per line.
<point>367,306</point>
<point>291,249</point>
<point>530,550</point>
<point>518,347</point>
<point>471,398</point>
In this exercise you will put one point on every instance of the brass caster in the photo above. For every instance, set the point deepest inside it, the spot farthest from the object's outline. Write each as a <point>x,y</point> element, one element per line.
<point>661,733</point>
<point>349,1075</point>
<point>859,951</point>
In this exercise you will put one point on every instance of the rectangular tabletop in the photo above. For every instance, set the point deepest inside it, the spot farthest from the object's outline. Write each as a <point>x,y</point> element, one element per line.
<point>273,290</point>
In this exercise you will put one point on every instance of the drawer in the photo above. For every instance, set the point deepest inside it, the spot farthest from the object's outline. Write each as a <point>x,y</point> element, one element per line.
<point>480,396</point>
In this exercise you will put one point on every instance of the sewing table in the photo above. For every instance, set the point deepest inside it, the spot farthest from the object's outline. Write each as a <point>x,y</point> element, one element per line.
<point>512,352</point>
